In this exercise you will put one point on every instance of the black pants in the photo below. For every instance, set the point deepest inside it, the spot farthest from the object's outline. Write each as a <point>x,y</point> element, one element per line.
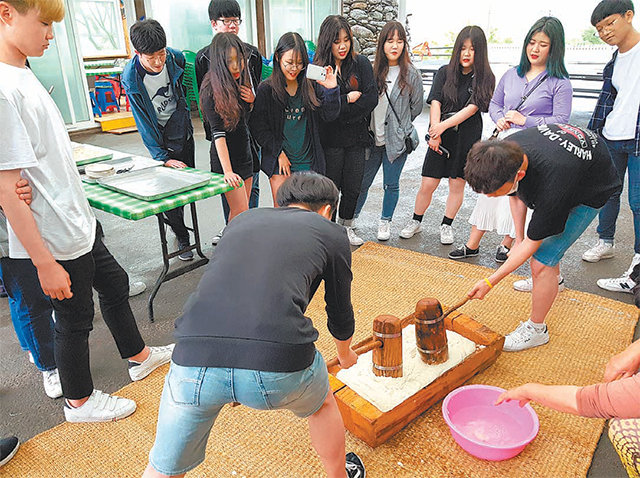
<point>74,317</point>
<point>345,167</point>
<point>175,217</point>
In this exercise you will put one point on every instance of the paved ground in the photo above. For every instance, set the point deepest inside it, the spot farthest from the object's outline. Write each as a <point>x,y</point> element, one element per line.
<point>25,409</point>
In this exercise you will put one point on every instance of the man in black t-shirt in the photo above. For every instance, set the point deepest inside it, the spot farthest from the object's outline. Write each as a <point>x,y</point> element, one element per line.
<point>565,174</point>
<point>243,335</point>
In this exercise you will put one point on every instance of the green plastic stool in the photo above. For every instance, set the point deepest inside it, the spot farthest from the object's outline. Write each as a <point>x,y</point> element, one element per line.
<point>189,79</point>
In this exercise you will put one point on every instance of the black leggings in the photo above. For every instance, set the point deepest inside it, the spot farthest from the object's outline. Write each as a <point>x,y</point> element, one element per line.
<point>345,167</point>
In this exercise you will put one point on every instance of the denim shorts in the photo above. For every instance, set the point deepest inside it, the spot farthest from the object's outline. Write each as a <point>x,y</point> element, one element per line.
<point>193,397</point>
<point>553,248</point>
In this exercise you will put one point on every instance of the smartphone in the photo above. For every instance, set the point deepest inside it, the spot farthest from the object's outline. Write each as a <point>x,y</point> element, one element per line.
<point>315,72</point>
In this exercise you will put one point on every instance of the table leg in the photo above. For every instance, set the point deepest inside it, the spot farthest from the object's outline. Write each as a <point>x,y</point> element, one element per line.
<point>167,275</point>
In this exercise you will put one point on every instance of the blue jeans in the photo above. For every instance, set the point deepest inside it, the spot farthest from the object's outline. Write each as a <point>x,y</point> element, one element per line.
<point>391,178</point>
<point>31,310</point>
<point>253,199</point>
<point>193,397</point>
<point>553,248</point>
<point>623,158</point>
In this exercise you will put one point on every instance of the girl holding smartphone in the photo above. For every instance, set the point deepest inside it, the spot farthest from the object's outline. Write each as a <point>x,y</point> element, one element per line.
<point>288,110</point>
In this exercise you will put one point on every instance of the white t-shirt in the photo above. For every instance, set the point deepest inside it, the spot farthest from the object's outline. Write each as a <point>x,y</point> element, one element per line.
<point>379,115</point>
<point>159,90</point>
<point>621,122</point>
<point>34,139</point>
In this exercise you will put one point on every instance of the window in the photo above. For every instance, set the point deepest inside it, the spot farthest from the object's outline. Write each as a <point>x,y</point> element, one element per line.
<point>100,28</point>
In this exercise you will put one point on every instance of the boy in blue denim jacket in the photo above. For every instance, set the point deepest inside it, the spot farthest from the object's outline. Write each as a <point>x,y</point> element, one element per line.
<point>153,83</point>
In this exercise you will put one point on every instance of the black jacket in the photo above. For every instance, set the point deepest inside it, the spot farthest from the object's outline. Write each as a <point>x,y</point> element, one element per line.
<point>254,59</point>
<point>352,126</point>
<point>267,125</point>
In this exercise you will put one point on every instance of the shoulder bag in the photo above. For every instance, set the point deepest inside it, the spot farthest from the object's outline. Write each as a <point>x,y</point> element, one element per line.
<point>496,132</point>
<point>411,140</point>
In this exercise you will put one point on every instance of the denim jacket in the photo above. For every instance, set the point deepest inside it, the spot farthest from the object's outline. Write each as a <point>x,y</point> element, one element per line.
<point>605,104</point>
<point>141,105</point>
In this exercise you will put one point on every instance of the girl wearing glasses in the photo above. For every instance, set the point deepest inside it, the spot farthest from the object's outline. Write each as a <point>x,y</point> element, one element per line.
<point>400,95</point>
<point>461,91</point>
<point>543,78</point>
<point>344,140</point>
<point>225,101</point>
<point>287,113</point>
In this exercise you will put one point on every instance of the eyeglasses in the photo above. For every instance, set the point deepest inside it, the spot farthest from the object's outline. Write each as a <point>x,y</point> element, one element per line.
<point>230,21</point>
<point>293,66</point>
<point>608,27</point>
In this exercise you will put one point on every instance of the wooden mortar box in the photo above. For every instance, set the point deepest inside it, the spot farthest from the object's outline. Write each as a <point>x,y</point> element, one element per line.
<point>375,427</point>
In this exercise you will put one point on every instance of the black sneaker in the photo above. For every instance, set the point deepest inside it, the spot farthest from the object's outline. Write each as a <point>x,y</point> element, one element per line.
<point>186,255</point>
<point>463,251</point>
<point>9,446</point>
<point>501,253</point>
<point>355,467</point>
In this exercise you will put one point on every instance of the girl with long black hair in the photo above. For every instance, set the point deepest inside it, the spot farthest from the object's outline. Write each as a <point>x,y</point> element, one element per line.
<point>225,99</point>
<point>461,91</point>
<point>400,99</point>
<point>344,140</point>
<point>287,112</point>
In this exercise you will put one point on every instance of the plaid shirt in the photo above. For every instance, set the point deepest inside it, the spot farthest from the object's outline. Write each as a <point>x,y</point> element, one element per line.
<point>606,101</point>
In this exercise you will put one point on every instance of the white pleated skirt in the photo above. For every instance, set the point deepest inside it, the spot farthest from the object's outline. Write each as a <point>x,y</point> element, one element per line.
<point>493,214</point>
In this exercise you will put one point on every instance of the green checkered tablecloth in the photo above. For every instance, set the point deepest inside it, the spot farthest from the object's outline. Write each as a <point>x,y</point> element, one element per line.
<point>131,208</point>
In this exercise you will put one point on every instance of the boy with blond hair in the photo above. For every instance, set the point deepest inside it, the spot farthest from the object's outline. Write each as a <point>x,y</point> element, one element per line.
<point>58,232</point>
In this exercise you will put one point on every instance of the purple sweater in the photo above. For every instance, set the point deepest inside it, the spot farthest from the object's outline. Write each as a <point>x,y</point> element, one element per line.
<point>549,103</point>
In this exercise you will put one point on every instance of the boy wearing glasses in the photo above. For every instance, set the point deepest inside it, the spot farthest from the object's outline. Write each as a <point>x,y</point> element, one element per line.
<point>225,17</point>
<point>617,119</point>
<point>153,82</point>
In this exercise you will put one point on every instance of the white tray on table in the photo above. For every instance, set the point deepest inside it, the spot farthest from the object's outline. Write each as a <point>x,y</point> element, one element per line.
<point>154,183</point>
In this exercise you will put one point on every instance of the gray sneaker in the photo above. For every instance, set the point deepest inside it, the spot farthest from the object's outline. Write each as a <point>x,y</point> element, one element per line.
<point>412,228</point>
<point>157,356</point>
<point>601,250</point>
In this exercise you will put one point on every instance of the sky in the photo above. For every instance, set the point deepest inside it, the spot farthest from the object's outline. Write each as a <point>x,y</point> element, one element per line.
<point>433,19</point>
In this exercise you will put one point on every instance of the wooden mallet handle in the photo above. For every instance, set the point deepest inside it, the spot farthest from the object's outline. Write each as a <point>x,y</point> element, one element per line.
<point>364,347</point>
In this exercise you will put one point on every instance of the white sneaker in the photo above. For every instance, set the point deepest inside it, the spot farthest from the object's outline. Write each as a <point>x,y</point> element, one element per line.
<point>384,230</point>
<point>525,337</point>
<point>157,356</point>
<point>101,407</point>
<point>526,285</point>
<point>602,250</point>
<point>413,227</point>
<point>217,237</point>
<point>136,288</point>
<point>446,234</point>
<point>617,284</point>
<point>51,381</point>
<point>354,239</point>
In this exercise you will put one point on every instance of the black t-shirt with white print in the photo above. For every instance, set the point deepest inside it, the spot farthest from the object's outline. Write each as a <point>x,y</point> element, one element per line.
<point>568,166</point>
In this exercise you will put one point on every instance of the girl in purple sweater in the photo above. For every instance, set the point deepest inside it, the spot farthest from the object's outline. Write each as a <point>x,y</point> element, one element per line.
<point>541,67</point>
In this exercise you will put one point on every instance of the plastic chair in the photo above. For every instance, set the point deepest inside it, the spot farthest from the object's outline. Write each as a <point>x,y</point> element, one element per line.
<point>189,80</point>
<point>106,96</point>
<point>94,105</point>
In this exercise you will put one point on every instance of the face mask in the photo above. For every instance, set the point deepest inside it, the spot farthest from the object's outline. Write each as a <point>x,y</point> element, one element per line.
<point>514,188</point>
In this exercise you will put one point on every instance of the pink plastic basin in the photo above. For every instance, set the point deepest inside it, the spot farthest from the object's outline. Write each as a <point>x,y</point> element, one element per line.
<point>485,430</point>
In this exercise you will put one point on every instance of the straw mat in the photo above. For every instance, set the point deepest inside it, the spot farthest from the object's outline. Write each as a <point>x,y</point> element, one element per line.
<point>585,331</point>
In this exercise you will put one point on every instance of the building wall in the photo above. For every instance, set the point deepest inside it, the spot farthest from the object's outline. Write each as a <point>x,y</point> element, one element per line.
<point>367,19</point>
